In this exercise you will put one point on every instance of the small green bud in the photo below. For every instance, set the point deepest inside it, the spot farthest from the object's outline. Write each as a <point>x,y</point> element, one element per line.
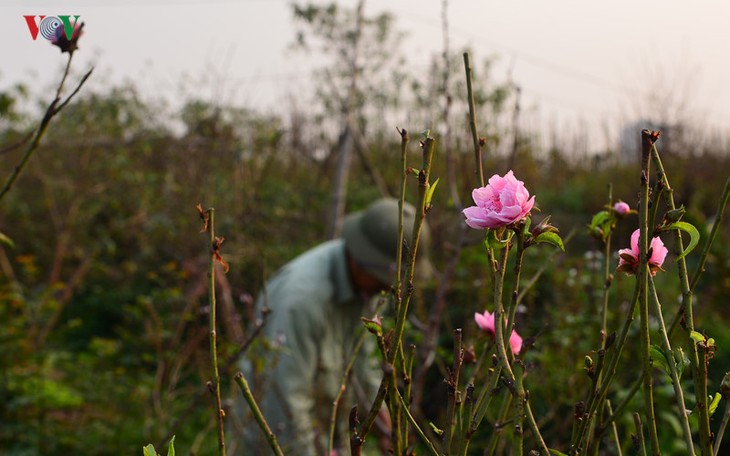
<point>373,326</point>
<point>543,227</point>
<point>675,215</point>
<point>588,362</point>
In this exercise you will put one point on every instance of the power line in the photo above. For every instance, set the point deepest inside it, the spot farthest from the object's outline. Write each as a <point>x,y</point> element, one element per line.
<point>570,72</point>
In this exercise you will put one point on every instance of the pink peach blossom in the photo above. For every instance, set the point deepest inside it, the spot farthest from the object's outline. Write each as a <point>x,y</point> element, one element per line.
<point>515,342</point>
<point>485,322</point>
<point>504,201</point>
<point>629,258</point>
<point>621,208</point>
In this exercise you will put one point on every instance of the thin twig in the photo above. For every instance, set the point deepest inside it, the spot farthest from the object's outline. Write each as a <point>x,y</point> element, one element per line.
<point>615,430</point>
<point>697,360</point>
<point>473,121</point>
<point>678,394</point>
<point>639,434</point>
<point>270,436</point>
<point>15,145</point>
<point>216,382</point>
<point>717,223</point>
<point>53,109</point>
<point>723,426</point>
<point>420,433</point>
<point>642,277</point>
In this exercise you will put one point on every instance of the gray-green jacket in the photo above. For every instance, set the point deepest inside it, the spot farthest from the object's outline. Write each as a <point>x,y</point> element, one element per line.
<point>316,313</point>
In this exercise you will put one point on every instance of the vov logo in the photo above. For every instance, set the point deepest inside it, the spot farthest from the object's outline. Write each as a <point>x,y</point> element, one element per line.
<point>51,27</point>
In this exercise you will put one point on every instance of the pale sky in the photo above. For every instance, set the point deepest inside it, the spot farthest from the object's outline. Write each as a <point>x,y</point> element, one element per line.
<point>577,61</point>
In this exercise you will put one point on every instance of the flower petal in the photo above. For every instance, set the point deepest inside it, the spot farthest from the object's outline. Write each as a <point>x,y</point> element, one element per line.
<point>658,252</point>
<point>515,342</point>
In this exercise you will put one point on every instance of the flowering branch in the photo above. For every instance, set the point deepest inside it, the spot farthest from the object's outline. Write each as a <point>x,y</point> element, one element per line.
<point>647,141</point>
<point>502,208</point>
<point>395,359</point>
<point>697,361</point>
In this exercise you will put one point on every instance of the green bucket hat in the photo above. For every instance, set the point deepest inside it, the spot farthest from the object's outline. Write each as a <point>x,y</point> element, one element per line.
<point>371,237</point>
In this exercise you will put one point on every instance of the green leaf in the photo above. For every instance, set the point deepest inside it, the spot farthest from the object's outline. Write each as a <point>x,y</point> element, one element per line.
<point>694,236</point>
<point>7,241</point>
<point>714,402</point>
<point>149,450</point>
<point>602,224</point>
<point>171,447</point>
<point>550,238</point>
<point>429,192</point>
<point>600,218</point>
<point>697,337</point>
<point>659,358</point>
<point>557,453</point>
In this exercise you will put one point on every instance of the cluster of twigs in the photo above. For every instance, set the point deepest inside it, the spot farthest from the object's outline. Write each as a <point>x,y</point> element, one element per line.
<point>505,375</point>
<point>500,372</point>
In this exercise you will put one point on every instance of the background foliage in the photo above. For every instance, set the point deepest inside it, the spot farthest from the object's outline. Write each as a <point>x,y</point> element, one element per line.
<point>103,318</point>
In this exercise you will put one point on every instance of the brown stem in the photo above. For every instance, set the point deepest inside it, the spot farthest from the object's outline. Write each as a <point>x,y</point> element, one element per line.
<point>53,109</point>
<point>647,141</point>
<point>355,440</point>
<point>473,121</point>
<point>216,383</point>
